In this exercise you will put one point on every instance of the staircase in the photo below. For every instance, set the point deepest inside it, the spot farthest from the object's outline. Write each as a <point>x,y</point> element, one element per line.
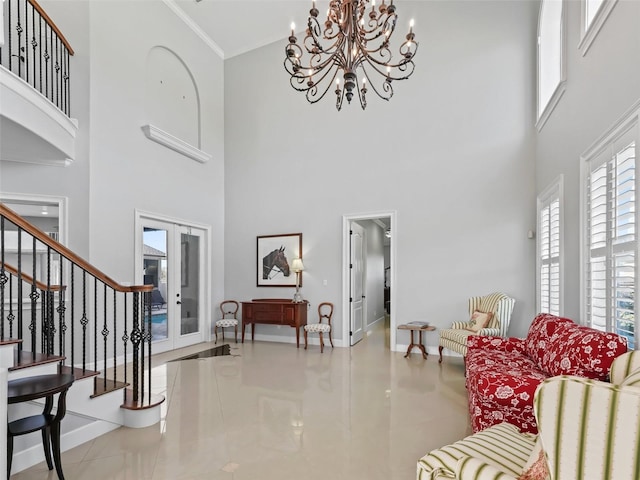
<point>59,314</point>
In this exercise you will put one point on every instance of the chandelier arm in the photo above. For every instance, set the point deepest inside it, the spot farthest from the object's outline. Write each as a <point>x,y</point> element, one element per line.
<point>387,88</point>
<point>312,91</point>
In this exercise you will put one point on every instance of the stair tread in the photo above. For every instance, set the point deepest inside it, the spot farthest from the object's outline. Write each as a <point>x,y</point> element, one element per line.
<point>149,401</point>
<point>24,359</point>
<point>10,341</point>
<point>78,373</point>
<point>102,386</point>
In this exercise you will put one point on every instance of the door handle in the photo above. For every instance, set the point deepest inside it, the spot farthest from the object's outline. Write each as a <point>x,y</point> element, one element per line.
<point>178,302</point>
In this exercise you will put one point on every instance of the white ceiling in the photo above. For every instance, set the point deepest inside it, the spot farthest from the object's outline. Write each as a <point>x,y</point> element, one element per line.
<point>237,26</point>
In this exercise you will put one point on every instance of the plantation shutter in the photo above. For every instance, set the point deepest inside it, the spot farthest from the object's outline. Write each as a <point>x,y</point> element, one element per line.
<point>549,252</point>
<point>611,237</point>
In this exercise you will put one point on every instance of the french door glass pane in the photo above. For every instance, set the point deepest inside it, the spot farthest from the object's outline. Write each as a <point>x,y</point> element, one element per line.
<point>155,273</point>
<point>190,283</point>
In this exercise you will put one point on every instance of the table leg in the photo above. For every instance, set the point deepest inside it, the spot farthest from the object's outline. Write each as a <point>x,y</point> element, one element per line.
<point>411,345</point>
<point>243,332</point>
<point>421,346</point>
<point>297,337</point>
<point>253,330</point>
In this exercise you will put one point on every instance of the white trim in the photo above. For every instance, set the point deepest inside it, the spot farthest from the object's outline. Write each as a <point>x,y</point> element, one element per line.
<point>551,105</point>
<point>63,208</point>
<point>174,143</point>
<point>588,36</point>
<point>346,221</point>
<point>173,6</point>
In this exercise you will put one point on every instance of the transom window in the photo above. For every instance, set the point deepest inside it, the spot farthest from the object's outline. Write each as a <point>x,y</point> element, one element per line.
<point>550,58</point>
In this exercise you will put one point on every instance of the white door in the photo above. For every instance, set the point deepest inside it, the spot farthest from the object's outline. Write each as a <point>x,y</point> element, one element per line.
<point>356,297</point>
<point>173,263</point>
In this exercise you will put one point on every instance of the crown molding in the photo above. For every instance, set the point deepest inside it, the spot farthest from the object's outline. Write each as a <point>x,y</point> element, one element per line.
<point>173,6</point>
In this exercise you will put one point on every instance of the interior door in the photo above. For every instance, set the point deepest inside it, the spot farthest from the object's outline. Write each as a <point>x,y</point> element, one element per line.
<point>356,295</point>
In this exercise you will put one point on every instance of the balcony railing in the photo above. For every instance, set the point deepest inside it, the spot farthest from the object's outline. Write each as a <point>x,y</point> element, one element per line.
<point>35,50</point>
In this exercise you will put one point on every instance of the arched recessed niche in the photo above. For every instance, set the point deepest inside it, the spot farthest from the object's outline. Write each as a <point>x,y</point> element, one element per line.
<point>172,104</point>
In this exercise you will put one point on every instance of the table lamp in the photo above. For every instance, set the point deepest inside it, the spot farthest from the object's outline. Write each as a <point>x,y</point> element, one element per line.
<point>297,267</point>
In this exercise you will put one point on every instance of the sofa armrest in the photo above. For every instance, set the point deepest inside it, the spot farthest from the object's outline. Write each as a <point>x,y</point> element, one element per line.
<point>460,325</point>
<point>475,469</point>
<point>483,342</point>
<point>624,365</point>
<point>490,332</point>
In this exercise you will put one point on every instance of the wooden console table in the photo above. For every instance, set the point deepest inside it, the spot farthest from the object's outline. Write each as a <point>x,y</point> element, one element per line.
<point>274,311</point>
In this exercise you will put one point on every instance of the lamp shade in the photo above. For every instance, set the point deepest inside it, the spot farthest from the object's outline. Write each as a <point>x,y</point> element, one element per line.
<point>297,265</point>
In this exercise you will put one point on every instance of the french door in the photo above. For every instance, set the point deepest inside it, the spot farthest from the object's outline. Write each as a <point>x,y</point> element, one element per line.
<point>173,262</point>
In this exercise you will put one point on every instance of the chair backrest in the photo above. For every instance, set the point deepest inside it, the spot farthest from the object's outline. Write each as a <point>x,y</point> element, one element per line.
<point>325,311</point>
<point>229,307</point>
<point>497,303</point>
<point>589,429</point>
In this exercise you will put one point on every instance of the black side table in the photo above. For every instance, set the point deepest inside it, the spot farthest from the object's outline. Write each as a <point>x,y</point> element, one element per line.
<point>32,388</point>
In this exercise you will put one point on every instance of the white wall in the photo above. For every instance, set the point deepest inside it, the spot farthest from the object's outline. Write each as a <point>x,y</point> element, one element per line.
<point>601,86</point>
<point>117,169</point>
<point>72,17</point>
<point>452,153</point>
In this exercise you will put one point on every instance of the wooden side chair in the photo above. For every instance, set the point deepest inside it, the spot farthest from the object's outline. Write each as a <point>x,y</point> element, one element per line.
<point>325,311</point>
<point>229,309</point>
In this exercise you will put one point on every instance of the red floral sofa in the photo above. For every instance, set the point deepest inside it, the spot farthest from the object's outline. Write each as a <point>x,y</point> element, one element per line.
<point>502,374</point>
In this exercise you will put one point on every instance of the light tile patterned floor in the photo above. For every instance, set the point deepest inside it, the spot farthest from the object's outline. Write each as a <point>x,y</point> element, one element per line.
<point>272,412</point>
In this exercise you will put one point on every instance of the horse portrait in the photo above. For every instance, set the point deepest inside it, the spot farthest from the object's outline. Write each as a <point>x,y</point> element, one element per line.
<point>275,263</point>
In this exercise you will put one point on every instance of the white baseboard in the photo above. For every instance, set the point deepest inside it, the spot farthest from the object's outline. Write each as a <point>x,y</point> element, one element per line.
<point>35,454</point>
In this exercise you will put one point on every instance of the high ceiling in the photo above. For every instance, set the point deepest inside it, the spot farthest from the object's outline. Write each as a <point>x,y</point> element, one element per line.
<point>237,26</point>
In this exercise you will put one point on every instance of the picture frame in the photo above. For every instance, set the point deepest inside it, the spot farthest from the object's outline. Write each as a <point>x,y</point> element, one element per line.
<point>274,256</point>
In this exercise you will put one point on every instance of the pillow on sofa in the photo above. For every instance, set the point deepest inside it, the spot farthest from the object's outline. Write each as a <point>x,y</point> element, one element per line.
<point>583,351</point>
<point>540,332</point>
<point>479,321</point>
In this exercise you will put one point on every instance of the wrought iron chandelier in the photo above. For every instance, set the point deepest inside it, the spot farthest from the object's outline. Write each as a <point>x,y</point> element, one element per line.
<point>354,40</point>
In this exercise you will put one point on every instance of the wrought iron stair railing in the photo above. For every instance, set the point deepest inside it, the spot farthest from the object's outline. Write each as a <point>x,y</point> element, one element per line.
<point>37,51</point>
<point>66,310</point>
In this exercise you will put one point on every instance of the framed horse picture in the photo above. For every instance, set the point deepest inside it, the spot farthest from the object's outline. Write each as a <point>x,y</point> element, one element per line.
<point>275,254</point>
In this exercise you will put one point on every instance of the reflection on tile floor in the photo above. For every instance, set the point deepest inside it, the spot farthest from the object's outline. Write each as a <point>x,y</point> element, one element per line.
<point>272,412</point>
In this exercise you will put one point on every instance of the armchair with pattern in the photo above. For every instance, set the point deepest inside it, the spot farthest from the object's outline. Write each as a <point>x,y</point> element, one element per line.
<point>497,305</point>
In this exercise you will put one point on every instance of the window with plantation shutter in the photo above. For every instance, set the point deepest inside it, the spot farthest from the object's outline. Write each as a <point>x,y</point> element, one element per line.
<point>550,249</point>
<point>611,237</point>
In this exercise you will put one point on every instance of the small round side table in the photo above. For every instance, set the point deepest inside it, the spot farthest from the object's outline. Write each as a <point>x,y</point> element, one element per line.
<point>417,327</point>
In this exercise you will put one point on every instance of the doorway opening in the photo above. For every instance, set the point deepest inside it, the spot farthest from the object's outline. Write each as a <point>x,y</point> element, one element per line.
<point>369,259</point>
<point>173,256</point>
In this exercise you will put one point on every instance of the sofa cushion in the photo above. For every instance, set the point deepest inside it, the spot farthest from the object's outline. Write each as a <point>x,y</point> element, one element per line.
<point>540,334</point>
<point>583,351</point>
<point>443,461</point>
<point>501,386</point>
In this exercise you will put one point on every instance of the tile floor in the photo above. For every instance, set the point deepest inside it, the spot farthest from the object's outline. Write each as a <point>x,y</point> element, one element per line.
<point>273,412</point>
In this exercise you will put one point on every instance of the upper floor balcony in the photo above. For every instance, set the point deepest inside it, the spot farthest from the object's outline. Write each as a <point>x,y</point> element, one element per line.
<point>35,101</point>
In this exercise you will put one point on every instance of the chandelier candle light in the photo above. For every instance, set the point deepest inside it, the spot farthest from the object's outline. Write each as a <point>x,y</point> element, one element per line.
<point>352,43</point>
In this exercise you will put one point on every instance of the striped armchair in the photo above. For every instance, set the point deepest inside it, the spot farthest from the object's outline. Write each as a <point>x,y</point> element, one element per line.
<point>589,430</point>
<point>455,338</point>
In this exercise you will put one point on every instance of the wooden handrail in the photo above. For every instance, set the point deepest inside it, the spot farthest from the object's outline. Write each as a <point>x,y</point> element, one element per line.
<point>29,279</point>
<point>17,220</point>
<point>53,26</point>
